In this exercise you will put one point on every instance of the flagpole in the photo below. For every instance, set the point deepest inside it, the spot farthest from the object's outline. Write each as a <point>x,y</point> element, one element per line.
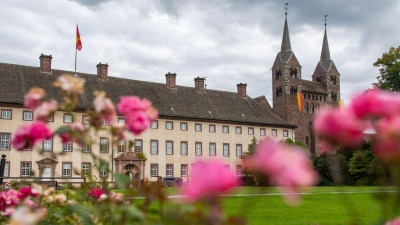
<point>76,53</point>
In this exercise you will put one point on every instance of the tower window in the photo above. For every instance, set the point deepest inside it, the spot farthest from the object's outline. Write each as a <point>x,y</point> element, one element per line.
<point>278,91</point>
<point>293,73</point>
<point>333,80</point>
<point>293,90</point>
<point>312,108</point>
<point>307,141</point>
<point>278,74</point>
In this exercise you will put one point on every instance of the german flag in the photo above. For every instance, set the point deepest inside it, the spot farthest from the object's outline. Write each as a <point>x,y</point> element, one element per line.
<point>300,101</point>
<point>78,39</point>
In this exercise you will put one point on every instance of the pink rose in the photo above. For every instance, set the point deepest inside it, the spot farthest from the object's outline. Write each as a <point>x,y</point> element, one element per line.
<point>209,178</point>
<point>96,193</point>
<point>27,135</point>
<point>70,84</point>
<point>395,221</point>
<point>129,104</point>
<point>25,192</point>
<point>137,122</point>
<point>387,137</point>
<point>76,133</point>
<point>287,167</point>
<point>8,199</point>
<point>44,111</point>
<point>104,107</point>
<point>33,98</point>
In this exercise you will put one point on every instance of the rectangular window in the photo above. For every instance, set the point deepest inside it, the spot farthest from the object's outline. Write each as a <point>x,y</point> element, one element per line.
<point>251,131</point>
<point>154,170</point>
<point>169,170</point>
<point>212,128</point>
<point>48,145</point>
<point>198,150</point>
<point>169,125</point>
<point>6,114</point>
<point>225,129</point>
<point>6,169</point>
<point>86,169</point>
<point>25,169</point>
<point>104,122</point>
<point>239,170</point>
<point>121,120</point>
<point>183,126</point>
<point>86,148</point>
<point>238,130</point>
<point>67,147</point>
<point>51,118</point>
<point>154,124</point>
<point>104,170</point>
<point>68,118</point>
<point>238,150</point>
<point>103,144</point>
<point>138,146</point>
<point>169,148</point>
<point>212,149</point>
<point>27,115</point>
<point>285,133</point>
<point>66,169</point>
<point>5,141</point>
<point>154,147</point>
<point>262,132</point>
<point>184,148</point>
<point>85,119</point>
<point>226,150</point>
<point>197,127</point>
<point>274,132</point>
<point>184,170</point>
<point>122,146</point>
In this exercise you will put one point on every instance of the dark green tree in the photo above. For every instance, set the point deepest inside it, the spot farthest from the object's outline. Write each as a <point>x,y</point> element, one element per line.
<point>252,147</point>
<point>389,68</point>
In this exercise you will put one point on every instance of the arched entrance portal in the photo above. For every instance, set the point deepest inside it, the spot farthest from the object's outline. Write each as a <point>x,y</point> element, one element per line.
<point>131,165</point>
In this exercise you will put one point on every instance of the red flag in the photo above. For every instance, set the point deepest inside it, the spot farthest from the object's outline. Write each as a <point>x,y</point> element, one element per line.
<point>300,101</point>
<point>78,39</point>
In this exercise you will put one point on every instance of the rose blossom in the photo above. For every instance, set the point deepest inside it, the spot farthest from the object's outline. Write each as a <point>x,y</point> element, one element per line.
<point>104,107</point>
<point>8,199</point>
<point>27,135</point>
<point>387,137</point>
<point>70,84</point>
<point>286,166</point>
<point>27,216</point>
<point>75,133</point>
<point>44,111</point>
<point>34,97</point>
<point>96,193</point>
<point>395,221</point>
<point>25,192</point>
<point>209,179</point>
<point>339,127</point>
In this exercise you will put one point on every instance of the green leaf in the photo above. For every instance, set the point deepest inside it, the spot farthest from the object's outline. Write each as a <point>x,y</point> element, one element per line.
<point>61,130</point>
<point>122,180</point>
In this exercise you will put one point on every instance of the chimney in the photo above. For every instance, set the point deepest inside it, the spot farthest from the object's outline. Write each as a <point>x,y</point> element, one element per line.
<point>199,83</point>
<point>171,80</point>
<point>241,89</point>
<point>45,63</point>
<point>102,71</point>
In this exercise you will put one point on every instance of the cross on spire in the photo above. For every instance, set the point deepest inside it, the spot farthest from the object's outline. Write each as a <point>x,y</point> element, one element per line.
<point>325,20</point>
<point>286,8</point>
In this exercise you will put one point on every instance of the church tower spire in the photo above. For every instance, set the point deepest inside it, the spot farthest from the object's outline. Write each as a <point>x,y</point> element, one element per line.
<point>286,47</point>
<point>325,55</point>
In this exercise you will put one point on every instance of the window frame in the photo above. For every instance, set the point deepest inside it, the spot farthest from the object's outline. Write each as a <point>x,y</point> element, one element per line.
<point>226,150</point>
<point>85,119</point>
<point>101,145</point>
<point>154,169</point>
<point>7,169</point>
<point>22,169</point>
<point>274,132</point>
<point>250,129</point>
<point>169,150</point>
<point>167,123</point>
<point>238,130</point>
<point>103,170</point>
<point>185,174</point>
<point>187,147</point>
<point>151,147</point>
<point>169,169</point>
<point>285,133</point>
<point>89,146</point>
<point>215,149</point>
<point>239,170</point>
<point>183,126</point>
<point>66,144</point>
<point>121,148</point>
<point>83,174</point>
<point>136,146</point>
<point>6,110</point>
<point>225,129</point>
<point>263,132</point>
<point>237,150</point>
<point>26,112</point>
<point>65,115</point>
<point>52,145</point>
<point>121,120</point>
<point>154,122</point>
<point>7,141</point>
<point>63,169</point>
<point>198,125</point>
<point>196,149</point>
<point>212,128</point>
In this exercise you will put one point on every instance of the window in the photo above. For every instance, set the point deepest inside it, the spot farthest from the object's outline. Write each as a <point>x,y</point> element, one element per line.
<point>51,118</point>
<point>25,169</point>
<point>169,148</point>
<point>66,169</point>
<point>6,169</point>
<point>183,126</point>
<point>169,125</point>
<point>212,128</point>
<point>184,148</point>
<point>154,170</point>
<point>86,169</point>
<point>198,150</point>
<point>5,141</point>
<point>285,133</point>
<point>274,132</point>
<point>154,124</point>
<point>184,170</point>
<point>251,131</point>
<point>103,144</point>
<point>169,170</point>
<point>278,91</point>
<point>238,150</point>
<point>307,141</point>
<point>262,131</point>
<point>68,118</point>
<point>212,149</point>
<point>48,145</point>
<point>85,119</point>
<point>225,129</point>
<point>238,130</point>
<point>104,170</point>
<point>86,148</point>
<point>6,114</point>
<point>138,146</point>
<point>226,150</point>
<point>67,147</point>
<point>153,147</point>
<point>122,146</point>
<point>197,127</point>
<point>122,120</point>
<point>239,170</point>
<point>104,122</point>
<point>27,115</point>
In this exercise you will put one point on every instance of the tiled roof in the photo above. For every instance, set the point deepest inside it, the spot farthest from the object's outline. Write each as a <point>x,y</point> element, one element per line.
<point>182,102</point>
<point>313,86</point>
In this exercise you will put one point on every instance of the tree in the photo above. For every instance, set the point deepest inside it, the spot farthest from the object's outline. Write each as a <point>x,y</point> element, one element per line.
<point>252,147</point>
<point>389,68</point>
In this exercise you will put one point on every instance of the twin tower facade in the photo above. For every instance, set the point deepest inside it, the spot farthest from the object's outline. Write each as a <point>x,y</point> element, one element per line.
<point>322,91</point>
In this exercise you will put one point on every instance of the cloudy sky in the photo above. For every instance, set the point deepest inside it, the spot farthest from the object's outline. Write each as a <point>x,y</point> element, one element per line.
<point>227,41</point>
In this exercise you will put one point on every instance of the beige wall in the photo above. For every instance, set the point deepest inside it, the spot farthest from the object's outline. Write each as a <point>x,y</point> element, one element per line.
<point>76,157</point>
